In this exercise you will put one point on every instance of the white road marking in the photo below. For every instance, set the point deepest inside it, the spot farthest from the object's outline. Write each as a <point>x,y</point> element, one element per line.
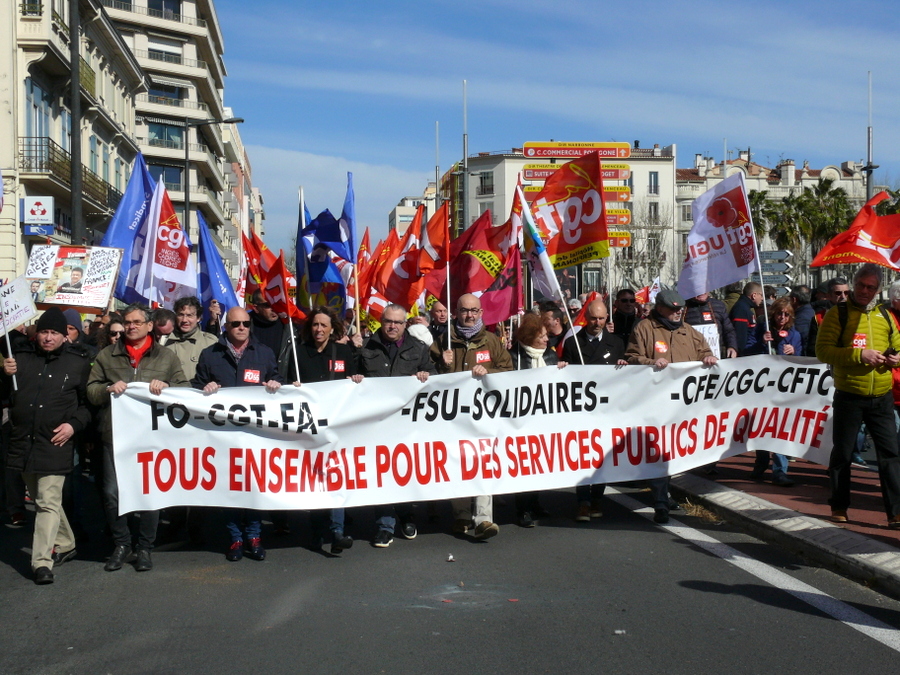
<point>850,616</point>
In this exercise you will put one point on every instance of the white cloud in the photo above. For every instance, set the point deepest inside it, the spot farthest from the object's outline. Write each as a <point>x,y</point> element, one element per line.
<point>279,173</point>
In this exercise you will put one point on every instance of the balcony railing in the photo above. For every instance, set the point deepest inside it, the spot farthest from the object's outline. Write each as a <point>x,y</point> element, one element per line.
<point>176,102</point>
<point>88,78</point>
<point>485,190</point>
<point>171,145</point>
<point>43,155</point>
<point>32,8</point>
<point>164,14</point>
<point>166,57</point>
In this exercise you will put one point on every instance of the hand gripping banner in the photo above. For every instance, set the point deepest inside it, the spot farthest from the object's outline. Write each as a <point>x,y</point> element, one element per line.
<point>394,440</point>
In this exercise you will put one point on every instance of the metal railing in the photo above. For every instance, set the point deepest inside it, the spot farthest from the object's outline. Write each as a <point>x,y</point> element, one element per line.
<point>176,102</point>
<point>88,78</point>
<point>155,13</point>
<point>32,8</point>
<point>43,155</point>
<point>166,57</point>
<point>485,190</point>
<point>170,145</point>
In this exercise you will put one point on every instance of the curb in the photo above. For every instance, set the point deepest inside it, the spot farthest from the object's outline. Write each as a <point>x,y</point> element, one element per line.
<point>866,560</point>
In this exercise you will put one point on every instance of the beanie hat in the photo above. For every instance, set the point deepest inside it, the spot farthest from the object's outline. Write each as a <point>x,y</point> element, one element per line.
<point>53,319</point>
<point>73,318</point>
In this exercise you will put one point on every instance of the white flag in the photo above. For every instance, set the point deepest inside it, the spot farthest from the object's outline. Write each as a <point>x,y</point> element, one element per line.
<point>721,246</point>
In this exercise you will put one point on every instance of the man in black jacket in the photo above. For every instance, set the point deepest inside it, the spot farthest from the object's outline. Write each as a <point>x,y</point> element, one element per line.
<point>239,360</point>
<point>598,347</point>
<point>393,352</point>
<point>46,412</point>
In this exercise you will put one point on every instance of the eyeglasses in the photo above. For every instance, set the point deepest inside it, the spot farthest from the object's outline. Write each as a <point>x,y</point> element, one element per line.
<point>390,322</point>
<point>469,310</point>
<point>135,323</point>
<point>116,333</point>
<point>842,294</point>
<point>627,300</point>
<point>238,324</point>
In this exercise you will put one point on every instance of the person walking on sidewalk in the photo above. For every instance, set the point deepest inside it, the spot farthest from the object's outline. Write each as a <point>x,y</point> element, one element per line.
<point>858,340</point>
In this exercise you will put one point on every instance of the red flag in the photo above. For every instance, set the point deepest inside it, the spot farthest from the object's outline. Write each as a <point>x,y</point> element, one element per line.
<point>365,248</point>
<point>434,250</point>
<point>398,277</point>
<point>571,214</point>
<point>254,273</point>
<point>870,238</point>
<point>580,320</point>
<point>275,292</point>
<point>643,295</point>
<point>503,298</point>
<point>266,257</point>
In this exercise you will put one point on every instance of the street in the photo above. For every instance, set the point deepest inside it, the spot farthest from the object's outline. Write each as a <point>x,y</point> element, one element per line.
<point>620,594</point>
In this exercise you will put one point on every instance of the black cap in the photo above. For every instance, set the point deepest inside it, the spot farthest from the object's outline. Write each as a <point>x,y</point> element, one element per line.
<point>53,319</point>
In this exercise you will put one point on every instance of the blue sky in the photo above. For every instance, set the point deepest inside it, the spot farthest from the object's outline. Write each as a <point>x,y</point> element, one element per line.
<point>331,87</point>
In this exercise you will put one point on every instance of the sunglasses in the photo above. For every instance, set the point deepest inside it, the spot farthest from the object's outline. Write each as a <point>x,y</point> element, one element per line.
<point>238,324</point>
<point>116,333</point>
<point>627,300</point>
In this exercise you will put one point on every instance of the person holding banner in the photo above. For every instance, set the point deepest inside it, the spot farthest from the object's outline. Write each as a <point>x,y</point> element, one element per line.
<point>393,352</point>
<point>662,339</point>
<point>136,359</point>
<point>239,360</point>
<point>786,341</point>
<point>597,347</point>
<point>857,338</point>
<point>46,411</point>
<point>532,350</point>
<point>709,316</point>
<point>472,348</point>
<point>323,359</point>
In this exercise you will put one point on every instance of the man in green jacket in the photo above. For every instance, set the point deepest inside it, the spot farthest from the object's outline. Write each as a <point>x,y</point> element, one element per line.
<point>137,358</point>
<point>862,347</point>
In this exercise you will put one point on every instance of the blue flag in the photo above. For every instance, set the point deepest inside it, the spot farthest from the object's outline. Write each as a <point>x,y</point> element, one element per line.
<point>339,235</point>
<point>128,227</point>
<point>316,271</point>
<point>213,281</point>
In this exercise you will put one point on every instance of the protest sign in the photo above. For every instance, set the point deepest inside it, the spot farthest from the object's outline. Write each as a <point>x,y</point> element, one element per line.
<point>79,277</point>
<point>17,305</point>
<point>340,444</point>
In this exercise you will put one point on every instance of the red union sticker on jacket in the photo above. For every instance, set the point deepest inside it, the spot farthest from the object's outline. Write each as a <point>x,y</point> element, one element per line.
<point>337,366</point>
<point>661,346</point>
<point>859,340</point>
<point>483,356</point>
<point>251,376</point>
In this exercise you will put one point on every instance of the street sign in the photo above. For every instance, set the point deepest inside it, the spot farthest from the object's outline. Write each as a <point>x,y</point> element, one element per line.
<point>775,255</point>
<point>776,279</point>
<point>776,267</point>
<point>575,150</point>
<point>612,207</point>
<point>38,230</point>
<point>544,171</point>
<point>619,238</point>
<point>618,216</point>
<point>618,193</point>
<point>37,210</point>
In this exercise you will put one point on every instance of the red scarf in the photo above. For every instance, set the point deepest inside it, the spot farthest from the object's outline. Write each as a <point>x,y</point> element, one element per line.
<point>136,353</point>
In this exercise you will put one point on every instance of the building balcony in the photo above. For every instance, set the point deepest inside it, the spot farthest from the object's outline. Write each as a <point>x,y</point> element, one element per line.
<point>165,16</point>
<point>190,107</point>
<point>41,156</point>
<point>688,191</point>
<point>485,190</point>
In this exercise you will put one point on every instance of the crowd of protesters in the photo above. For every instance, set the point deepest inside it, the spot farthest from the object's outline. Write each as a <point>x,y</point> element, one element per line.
<point>58,384</point>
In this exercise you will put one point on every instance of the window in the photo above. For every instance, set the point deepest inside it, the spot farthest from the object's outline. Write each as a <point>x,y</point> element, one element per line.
<point>165,135</point>
<point>168,9</point>
<point>653,212</point>
<point>654,249</point>
<point>95,156</point>
<point>117,168</point>
<point>163,49</point>
<point>38,106</point>
<point>170,175</point>
<point>687,213</point>
<point>65,124</point>
<point>165,94</point>
<point>684,245</point>
<point>653,187</point>
<point>105,173</point>
<point>486,183</point>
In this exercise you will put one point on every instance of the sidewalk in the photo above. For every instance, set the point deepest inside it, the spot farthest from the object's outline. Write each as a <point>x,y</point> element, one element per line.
<point>798,518</point>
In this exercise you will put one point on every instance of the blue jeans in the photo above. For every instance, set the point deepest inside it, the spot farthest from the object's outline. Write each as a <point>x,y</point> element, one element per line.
<point>779,463</point>
<point>330,519</point>
<point>251,520</point>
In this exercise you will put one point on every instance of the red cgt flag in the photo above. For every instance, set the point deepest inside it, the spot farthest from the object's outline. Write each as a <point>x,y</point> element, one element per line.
<point>275,292</point>
<point>870,238</point>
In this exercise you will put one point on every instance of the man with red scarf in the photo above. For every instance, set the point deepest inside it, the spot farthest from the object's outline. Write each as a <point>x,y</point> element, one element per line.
<point>137,358</point>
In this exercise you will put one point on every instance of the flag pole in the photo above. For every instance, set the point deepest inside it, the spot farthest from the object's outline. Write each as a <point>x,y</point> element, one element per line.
<point>9,351</point>
<point>568,319</point>
<point>758,263</point>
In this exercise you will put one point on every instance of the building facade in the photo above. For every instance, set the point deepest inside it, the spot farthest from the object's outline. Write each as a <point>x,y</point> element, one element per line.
<point>35,117</point>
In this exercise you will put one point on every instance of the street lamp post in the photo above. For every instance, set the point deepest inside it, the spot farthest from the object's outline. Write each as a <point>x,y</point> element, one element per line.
<point>188,123</point>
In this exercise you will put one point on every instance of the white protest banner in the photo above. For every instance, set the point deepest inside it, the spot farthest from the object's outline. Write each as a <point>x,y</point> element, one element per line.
<point>17,305</point>
<point>390,440</point>
<point>711,332</point>
<point>79,277</point>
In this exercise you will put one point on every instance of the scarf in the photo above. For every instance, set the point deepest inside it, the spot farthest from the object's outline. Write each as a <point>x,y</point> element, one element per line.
<point>236,352</point>
<point>467,333</point>
<point>670,325</point>
<point>136,352</point>
<point>537,356</point>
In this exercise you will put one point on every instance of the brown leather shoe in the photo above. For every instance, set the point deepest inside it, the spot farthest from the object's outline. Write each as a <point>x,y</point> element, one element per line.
<point>838,516</point>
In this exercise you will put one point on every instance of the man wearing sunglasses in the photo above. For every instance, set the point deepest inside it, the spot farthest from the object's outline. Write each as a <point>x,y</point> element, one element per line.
<point>838,290</point>
<point>625,314</point>
<point>743,315</point>
<point>137,358</point>
<point>239,360</point>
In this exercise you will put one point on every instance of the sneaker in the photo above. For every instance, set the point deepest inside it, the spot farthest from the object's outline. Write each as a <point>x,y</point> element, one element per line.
<point>60,557</point>
<point>42,576</point>
<point>408,529</point>
<point>525,520</point>
<point>383,539</point>
<point>783,481</point>
<point>486,530</point>
<point>661,516</point>
<point>235,551</point>
<point>254,549</point>
<point>461,526</point>
<point>596,509</point>
<point>858,461</point>
<point>340,542</point>
<point>119,555</point>
<point>584,514</point>
<point>838,515</point>
<point>144,561</point>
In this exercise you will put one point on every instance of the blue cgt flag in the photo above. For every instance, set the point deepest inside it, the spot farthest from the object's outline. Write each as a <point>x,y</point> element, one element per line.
<point>213,282</point>
<point>128,229</point>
